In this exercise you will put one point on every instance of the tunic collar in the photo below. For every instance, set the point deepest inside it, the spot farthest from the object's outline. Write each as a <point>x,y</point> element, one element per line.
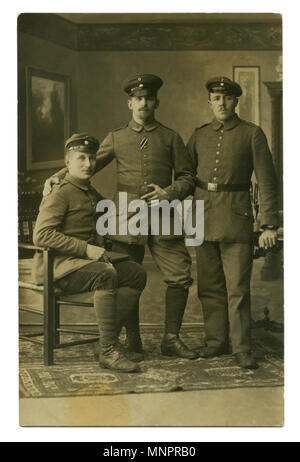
<point>148,126</point>
<point>82,184</point>
<point>227,124</point>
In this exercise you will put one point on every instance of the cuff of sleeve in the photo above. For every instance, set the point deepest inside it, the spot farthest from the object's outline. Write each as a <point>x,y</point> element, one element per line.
<point>270,227</point>
<point>82,245</point>
<point>269,219</point>
<point>172,192</point>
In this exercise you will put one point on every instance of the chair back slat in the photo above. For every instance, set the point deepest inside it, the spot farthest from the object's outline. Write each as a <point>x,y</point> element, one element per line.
<point>28,285</point>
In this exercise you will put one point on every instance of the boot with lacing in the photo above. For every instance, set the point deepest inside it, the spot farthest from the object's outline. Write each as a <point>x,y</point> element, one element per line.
<point>112,357</point>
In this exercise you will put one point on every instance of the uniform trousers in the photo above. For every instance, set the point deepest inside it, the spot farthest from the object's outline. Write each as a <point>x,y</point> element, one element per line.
<point>103,276</point>
<point>116,292</point>
<point>170,256</point>
<point>174,262</point>
<point>224,272</point>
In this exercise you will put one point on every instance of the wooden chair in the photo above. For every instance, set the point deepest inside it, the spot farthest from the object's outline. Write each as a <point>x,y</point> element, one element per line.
<point>53,300</point>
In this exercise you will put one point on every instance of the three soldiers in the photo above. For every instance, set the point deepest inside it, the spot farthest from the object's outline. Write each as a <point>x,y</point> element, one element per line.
<point>217,164</point>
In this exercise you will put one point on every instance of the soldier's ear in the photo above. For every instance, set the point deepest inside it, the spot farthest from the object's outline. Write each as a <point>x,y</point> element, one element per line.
<point>67,159</point>
<point>129,102</point>
<point>156,103</point>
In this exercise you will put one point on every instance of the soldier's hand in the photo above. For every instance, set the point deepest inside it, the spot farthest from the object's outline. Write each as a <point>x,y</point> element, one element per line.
<point>49,183</point>
<point>267,239</point>
<point>157,194</point>
<point>93,252</point>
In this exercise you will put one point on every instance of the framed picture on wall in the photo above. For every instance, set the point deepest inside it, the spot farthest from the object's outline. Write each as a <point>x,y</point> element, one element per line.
<point>249,102</point>
<point>47,118</point>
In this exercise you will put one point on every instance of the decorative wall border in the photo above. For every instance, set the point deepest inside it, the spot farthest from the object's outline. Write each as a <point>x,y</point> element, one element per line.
<point>153,36</point>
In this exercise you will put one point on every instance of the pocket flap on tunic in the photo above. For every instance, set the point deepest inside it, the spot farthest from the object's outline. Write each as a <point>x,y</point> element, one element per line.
<point>243,211</point>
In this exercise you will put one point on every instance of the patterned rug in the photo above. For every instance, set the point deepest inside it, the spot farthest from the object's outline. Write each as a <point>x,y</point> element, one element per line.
<point>77,373</point>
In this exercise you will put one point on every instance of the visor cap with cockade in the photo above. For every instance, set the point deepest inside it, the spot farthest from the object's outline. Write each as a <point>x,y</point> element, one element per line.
<point>223,85</point>
<point>141,82</point>
<point>82,142</point>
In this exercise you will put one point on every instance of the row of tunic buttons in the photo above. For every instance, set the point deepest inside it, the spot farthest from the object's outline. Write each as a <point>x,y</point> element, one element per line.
<point>218,153</point>
<point>145,165</point>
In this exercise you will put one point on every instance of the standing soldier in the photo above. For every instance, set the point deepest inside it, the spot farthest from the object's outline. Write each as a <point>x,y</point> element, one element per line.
<point>224,154</point>
<point>148,154</point>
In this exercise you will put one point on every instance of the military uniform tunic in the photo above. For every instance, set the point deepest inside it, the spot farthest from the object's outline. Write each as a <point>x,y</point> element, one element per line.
<point>67,223</point>
<point>227,153</point>
<point>149,154</point>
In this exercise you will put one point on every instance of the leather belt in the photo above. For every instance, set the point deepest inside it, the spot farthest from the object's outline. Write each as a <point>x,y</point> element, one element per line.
<point>216,187</point>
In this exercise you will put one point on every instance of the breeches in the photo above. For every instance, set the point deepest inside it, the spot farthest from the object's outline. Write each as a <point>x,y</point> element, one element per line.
<point>170,256</point>
<point>224,272</point>
<point>104,276</point>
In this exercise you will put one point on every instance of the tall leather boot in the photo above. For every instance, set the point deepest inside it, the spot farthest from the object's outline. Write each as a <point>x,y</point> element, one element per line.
<point>110,356</point>
<point>133,336</point>
<point>127,307</point>
<point>172,345</point>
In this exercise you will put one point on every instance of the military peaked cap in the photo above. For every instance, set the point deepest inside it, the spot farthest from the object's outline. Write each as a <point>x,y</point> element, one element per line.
<point>135,85</point>
<point>82,142</point>
<point>223,85</point>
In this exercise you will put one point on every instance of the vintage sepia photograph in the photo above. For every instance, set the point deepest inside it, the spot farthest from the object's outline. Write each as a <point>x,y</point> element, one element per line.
<point>150,220</point>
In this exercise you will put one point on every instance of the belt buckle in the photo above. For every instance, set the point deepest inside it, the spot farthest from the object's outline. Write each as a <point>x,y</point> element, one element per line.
<point>212,187</point>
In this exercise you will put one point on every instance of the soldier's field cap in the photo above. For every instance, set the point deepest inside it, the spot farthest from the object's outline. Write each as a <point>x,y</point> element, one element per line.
<point>223,85</point>
<point>82,142</point>
<point>141,82</point>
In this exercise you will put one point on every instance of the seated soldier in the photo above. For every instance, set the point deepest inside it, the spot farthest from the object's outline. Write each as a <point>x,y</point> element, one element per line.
<point>67,224</point>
